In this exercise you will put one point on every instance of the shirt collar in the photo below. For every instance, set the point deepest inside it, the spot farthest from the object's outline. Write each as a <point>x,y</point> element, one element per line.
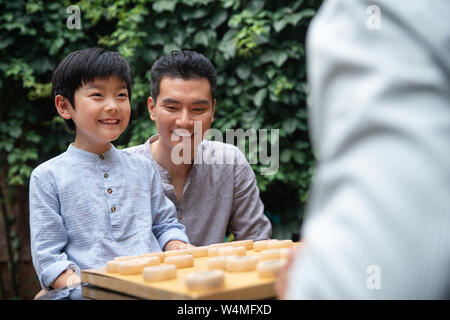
<point>108,155</point>
<point>163,172</point>
<point>148,151</point>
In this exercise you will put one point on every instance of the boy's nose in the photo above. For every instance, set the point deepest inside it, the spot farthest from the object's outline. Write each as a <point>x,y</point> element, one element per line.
<point>111,106</point>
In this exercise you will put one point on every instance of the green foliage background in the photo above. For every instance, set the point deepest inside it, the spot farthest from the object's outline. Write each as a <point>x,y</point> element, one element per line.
<point>256,46</point>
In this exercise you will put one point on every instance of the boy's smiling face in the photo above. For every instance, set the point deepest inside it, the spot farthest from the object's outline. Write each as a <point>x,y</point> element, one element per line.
<point>101,113</point>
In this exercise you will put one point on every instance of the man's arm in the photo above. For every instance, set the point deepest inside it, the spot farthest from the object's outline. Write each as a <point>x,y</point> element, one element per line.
<point>247,220</point>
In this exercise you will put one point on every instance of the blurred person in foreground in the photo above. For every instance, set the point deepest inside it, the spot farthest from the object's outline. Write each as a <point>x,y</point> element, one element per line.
<point>378,220</point>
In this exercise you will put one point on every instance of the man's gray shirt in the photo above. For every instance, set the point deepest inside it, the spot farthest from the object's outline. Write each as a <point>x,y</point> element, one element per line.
<point>220,194</point>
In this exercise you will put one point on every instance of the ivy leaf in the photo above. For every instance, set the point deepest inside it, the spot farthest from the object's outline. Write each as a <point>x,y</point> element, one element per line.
<point>266,56</point>
<point>289,125</point>
<point>302,145</point>
<point>259,81</point>
<point>243,71</point>
<point>169,47</point>
<point>160,24</point>
<point>218,19</point>
<point>227,45</point>
<point>279,58</point>
<point>164,5</point>
<point>279,25</point>
<point>202,37</point>
<point>260,96</point>
<point>15,132</point>
<point>6,42</point>
<point>11,158</point>
<point>285,155</point>
<point>57,44</point>
<point>255,5</point>
<point>298,156</point>
<point>271,73</point>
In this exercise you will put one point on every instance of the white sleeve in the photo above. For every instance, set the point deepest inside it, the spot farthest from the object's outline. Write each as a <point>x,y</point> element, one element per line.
<point>378,219</point>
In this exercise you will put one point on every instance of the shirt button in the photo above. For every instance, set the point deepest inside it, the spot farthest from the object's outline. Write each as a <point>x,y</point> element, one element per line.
<point>106,175</point>
<point>101,156</point>
<point>109,190</point>
<point>113,209</point>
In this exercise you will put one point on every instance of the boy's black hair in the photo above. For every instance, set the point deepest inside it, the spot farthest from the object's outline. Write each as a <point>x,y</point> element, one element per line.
<point>84,66</point>
<point>185,65</point>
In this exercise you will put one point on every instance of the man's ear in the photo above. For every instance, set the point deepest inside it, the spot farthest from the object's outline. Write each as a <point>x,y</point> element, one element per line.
<point>63,107</point>
<point>151,108</point>
<point>213,110</point>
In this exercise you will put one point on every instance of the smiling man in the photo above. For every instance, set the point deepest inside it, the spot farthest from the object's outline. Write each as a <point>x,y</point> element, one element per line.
<point>211,197</point>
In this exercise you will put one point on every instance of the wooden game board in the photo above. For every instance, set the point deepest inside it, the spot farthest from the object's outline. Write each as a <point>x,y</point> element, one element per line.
<point>238,285</point>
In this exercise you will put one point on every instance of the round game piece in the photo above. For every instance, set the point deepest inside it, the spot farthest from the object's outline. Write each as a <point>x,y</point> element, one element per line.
<point>279,244</point>
<point>260,245</point>
<point>180,261</point>
<point>217,263</point>
<point>214,251</point>
<point>240,264</point>
<point>198,252</point>
<point>179,252</point>
<point>248,244</point>
<point>137,265</point>
<point>232,251</point>
<point>285,253</point>
<point>270,254</point>
<point>161,255</point>
<point>205,279</point>
<point>270,268</point>
<point>160,273</point>
<point>240,250</point>
<point>223,244</point>
<point>124,258</point>
<point>112,266</point>
<point>297,245</point>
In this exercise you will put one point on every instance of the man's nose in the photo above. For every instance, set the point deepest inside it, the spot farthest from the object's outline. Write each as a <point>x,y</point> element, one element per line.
<point>184,120</point>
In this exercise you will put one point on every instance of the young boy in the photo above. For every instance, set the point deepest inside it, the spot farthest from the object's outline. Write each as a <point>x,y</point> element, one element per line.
<point>94,202</point>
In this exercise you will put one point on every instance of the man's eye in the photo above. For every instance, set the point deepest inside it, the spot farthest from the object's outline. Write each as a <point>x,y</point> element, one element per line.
<point>171,108</point>
<point>200,109</point>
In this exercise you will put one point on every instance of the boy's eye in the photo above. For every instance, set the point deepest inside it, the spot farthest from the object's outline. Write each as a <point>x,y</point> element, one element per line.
<point>95,95</point>
<point>123,95</point>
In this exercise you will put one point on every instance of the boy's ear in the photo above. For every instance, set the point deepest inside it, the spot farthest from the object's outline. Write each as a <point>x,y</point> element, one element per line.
<point>151,108</point>
<point>63,107</point>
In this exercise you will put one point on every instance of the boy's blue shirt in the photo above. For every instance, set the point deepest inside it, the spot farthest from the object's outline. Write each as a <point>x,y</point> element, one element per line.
<point>86,209</point>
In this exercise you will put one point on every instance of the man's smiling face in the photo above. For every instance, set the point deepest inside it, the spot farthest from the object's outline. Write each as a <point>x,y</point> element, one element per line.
<point>179,105</point>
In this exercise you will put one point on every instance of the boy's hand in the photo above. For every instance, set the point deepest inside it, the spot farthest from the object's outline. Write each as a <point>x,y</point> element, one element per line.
<point>177,245</point>
<point>67,278</point>
<point>40,294</point>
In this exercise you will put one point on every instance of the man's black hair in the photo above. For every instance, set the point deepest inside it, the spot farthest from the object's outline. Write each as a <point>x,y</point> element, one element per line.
<point>185,65</point>
<point>84,66</point>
